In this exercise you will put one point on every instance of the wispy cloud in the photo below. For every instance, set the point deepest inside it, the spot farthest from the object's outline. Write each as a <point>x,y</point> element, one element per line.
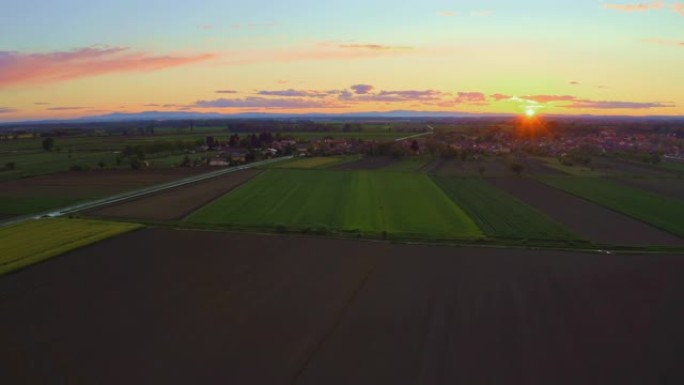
<point>226,92</point>
<point>664,42</point>
<point>500,97</point>
<point>41,103</point>
<point>266,103</point>
<point>64,108</point>
<point>574,83</point>
<point>549,98</point>
<point>297,93</point>
<point>7,110</point>
<point>447,13</point>
<point>28,68</point>
<point>375,47</point>
<point>608,105</point>
<point>679,8</point>
<point>478,98</point>
<point>635,7</point>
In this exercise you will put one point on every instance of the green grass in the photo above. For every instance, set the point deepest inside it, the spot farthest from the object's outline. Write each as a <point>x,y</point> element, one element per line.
<point>364,202</point>
<point>314,163</point>
<point>12,205</point>
<point>31,242</point>
<point>663,212</point>
<point>498,213</point>
<point>576,170</point>
<point>410,164</point>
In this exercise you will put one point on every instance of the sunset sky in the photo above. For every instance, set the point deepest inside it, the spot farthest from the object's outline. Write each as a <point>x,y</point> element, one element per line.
<point>72,58</point>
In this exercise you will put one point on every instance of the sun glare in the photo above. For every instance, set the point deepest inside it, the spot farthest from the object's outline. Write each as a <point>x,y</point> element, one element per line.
<point>530,112</point>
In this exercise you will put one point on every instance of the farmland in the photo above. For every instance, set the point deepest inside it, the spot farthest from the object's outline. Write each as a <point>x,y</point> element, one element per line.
<point>499,214</point>
<point>35,241</point>
<point>45,192</point>
<point>315,162</point>
<point>587,219</point>
<point>358,202</point>
<point>660,211</point>
<point>240,308</point>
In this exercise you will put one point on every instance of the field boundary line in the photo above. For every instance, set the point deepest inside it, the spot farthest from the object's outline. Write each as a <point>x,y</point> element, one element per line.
<point>137,193</point>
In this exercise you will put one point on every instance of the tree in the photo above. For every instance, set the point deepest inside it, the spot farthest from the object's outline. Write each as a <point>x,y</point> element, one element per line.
<point>517,168</point>
<point>101,164</point>
<point>48,144</point>
<point>10,165</point>
<point>482,170</point>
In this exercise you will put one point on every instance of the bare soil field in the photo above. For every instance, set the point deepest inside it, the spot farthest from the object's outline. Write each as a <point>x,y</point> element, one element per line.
<point>180,307</point>
<point>585,218</point>
<point>179,202</point>
<point>497,167</point>
<point>368,163</point>
<point>633,168</point>
<point>95,182</point>
<point>670,187</point>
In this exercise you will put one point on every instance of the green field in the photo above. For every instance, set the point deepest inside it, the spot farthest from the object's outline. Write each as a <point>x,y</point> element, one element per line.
<point>31,242</point>
<point>11,205</point>
<point>364,202</point>
<point>498,213</point>
<point>660,211</point>
<point>315,162</point>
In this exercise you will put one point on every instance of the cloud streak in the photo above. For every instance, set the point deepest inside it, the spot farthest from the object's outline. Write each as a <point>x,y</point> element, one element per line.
<point>266,103</point>
<point>297,93</point>
<point>17,68</point>
<point>635,7</point>
<point>7,110</point>
<point>610,105</point>
<point>64,108</point>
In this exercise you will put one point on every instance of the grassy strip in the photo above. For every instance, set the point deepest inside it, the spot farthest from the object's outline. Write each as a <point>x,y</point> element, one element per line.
<point>27,243</point>
<point>660,211</point>
<point>499,214</point>
<point>351,201</point>
<point>315,162</point>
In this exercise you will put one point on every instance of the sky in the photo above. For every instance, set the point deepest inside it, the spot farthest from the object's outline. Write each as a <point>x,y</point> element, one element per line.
<point>74,58</point>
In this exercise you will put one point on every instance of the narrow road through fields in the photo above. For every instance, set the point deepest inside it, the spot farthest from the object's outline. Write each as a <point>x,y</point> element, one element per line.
<point>137,193</point>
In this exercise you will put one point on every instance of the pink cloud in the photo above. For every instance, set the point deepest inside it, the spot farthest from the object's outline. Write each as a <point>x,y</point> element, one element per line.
<point>471,98</point>
<point>679,8</point>
<point>362,89</point>
<point>267,103</point>
<point>500,97</point>
<point>7,110</point>
<point>29,68</point>
<point>64,108</point>
<point>635,7</point>
<point>607,105</point>
<point>296,93</point>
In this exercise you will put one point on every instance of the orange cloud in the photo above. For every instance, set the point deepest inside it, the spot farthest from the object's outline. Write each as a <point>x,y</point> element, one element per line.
<point>635,7</point>
<point>679,8</point>
<point>30,68</point>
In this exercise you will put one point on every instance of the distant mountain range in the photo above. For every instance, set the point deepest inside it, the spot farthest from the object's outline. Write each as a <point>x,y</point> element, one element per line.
<point>396,114</point>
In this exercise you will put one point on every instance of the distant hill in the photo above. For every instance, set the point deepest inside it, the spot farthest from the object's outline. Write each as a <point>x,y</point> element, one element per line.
<point>396,114</point>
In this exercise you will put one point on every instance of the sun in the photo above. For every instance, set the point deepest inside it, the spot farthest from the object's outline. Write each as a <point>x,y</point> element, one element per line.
<point>530,112</point>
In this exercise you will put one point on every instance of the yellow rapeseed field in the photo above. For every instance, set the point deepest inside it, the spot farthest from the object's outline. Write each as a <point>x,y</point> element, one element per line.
<point>34,241</point>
